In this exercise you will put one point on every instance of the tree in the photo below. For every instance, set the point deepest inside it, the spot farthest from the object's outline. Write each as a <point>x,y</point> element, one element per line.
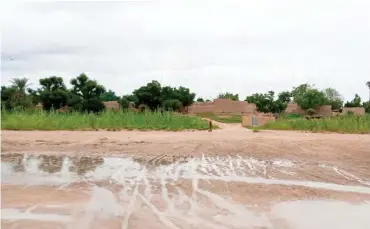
<point>21,84</point>
<point>86,88</point>
<point>133,99</point>
<point>366,105</point>
<point>35,95</point>
<point>299,91</point>
<point>88,92</point>
<point>7,94</point>
<point>74,101</point>
<point>92,105</point>
<point>15,97</point>
<point>266,103</point>
<point>154,95</point>
<point>356,102</point>
<point>200,100</point>
<point>285,97</point>
<point>181,94</point>
<point>168,93</point>
<point>109,96</point>
<point>334,98</point>
<point>172,105</point>
<point>311,98</point>
<point>124,103</point>
<point>150,95</point>
<point>126,100</point>
<point>228,95</point>
<point>368,85</point>
<point>53,93</point>
<point>184,95</point>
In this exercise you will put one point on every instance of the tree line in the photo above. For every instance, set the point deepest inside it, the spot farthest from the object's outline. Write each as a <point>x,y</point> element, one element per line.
<point>307,96</point>
<point>87,95</point>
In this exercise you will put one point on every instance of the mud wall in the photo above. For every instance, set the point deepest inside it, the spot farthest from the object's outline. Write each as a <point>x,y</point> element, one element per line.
<point>224,106</point>
<point>114,105</point>
<point>294,108</point>
<point>354,110</point>
<point>324,110</point>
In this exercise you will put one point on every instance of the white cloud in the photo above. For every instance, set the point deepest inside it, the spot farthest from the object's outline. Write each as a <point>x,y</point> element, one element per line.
<point>209,46</point>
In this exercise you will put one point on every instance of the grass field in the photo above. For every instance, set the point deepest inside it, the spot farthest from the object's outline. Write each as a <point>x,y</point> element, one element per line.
<point>341,124</point>
<point>41,120</point>
<point>222,118</point>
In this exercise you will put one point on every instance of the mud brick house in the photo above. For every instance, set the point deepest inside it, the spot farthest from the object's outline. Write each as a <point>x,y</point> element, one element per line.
<point>325,110</point>
<point>223,106</point>
<point>294,108</point>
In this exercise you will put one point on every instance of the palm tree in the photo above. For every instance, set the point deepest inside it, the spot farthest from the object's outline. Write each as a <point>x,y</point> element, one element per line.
<point>21,84</point>
<point>368,85</point>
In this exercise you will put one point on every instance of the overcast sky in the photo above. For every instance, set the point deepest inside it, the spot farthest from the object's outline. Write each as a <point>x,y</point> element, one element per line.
<point>244,46</point>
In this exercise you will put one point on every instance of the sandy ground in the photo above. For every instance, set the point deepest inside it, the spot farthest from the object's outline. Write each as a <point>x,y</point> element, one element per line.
<point>228,178</point>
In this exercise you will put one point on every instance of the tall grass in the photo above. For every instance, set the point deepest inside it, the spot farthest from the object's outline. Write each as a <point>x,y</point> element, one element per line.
<point>41,120</point>
<point>341,124</point>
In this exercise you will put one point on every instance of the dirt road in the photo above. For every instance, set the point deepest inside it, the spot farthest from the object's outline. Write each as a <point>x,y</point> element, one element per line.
<point>228,178</point>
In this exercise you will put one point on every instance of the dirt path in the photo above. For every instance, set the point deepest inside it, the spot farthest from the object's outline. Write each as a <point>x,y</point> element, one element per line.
<point>228,126</point>
<point>228,178</point>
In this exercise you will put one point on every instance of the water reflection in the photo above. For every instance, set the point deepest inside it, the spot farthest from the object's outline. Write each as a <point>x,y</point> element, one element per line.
<point>50,163</point>
<point>16,159</point>
<point>83,165</point>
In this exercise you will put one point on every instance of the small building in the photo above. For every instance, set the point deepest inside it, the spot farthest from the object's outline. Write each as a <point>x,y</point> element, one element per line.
<point>257,119</point>
<point>111,105</point>
<point>354,110</point>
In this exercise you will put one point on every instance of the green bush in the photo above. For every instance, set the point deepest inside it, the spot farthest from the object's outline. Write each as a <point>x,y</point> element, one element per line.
<point>124,103</point>
<point>311,111</point>
<point>172,105</point>
<point>92,105</point>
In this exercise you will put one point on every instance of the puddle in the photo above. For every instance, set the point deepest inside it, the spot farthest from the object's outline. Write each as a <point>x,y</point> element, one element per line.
<point>324,214</point>
<point>63,170</point>
<point>159,207</point>
<point>15,214</point>
<point>224,214</point>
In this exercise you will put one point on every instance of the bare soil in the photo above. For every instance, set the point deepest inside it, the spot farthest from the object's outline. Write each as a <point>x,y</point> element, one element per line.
<point>227,178</point>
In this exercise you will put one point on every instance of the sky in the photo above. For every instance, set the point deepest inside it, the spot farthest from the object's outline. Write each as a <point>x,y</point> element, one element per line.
<point>243,47</point>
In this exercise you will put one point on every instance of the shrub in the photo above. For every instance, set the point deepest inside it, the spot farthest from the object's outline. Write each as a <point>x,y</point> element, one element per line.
<point>124,103</point>
<point>311,98</point>
<point>172,105</point>
<point>311,111</point>
<point>92,105</point>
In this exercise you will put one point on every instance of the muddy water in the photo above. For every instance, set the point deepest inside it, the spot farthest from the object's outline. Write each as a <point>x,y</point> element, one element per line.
<point>207,192</point>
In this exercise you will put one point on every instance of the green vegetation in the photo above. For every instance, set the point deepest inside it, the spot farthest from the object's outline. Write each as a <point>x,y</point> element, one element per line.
<point>222,118</point>
<point>342,124</point>
<point>80,106</point>
<point>228,95</point>
<point>87,95</point>
<point>109,96</point>
<point>43,120</point>
<point>356,102</point>
<point>290,116</point>
<point>266,102</point>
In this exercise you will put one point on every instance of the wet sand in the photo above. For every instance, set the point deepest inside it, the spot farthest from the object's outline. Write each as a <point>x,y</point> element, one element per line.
<point>229,178</point>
